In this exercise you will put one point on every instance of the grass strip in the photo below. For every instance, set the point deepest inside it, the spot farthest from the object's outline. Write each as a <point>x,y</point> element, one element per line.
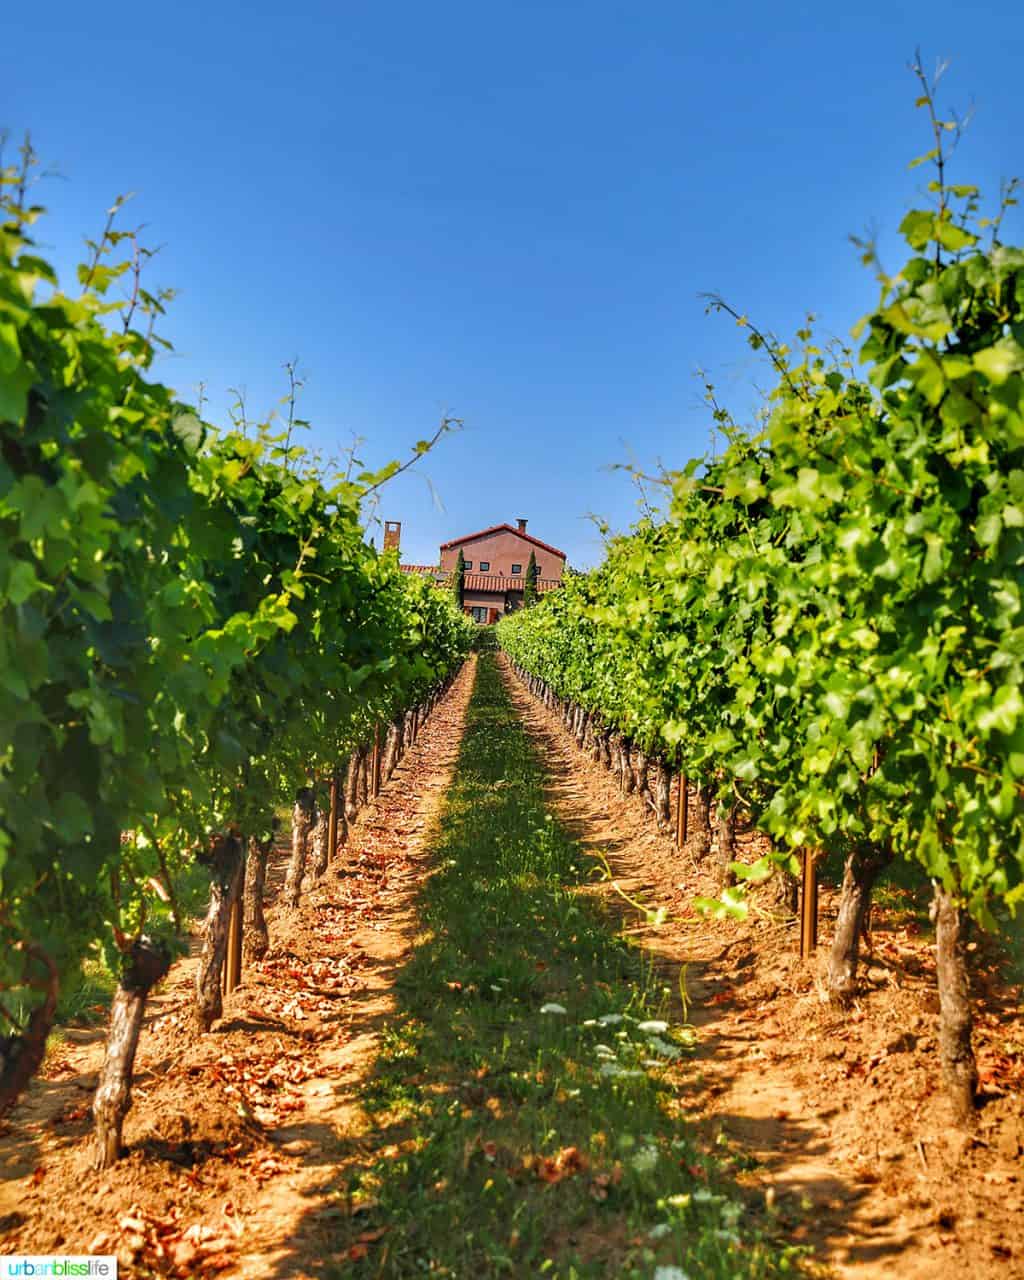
<point>525,1106</point>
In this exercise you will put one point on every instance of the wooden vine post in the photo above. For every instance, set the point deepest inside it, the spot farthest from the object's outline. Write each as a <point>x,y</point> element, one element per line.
<point>682,813</point>
<point>231,971</point>
<point>235,950</point>
<point>808,905</point>
<point>375,784</point>
<point>332,821</point>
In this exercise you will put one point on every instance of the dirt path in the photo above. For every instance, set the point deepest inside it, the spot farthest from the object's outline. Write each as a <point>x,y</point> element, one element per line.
<point>840,1113</point>
<point>238,1141</point>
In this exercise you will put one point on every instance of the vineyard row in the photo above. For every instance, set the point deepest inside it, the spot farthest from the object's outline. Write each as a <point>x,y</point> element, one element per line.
<point>194,630</point>
<point>823,627</point>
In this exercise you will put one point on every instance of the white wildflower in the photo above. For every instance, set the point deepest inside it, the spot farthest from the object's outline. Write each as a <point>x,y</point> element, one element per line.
<point>610,1019</point>
<point>670,1051</point>
<point>645,1160</point>
<point>669,1273</point>
<point>653,1026</point>
<point>703,1196</point>
<point>553,1008</point>
<point>619,1073</point>
<point>659,1232</point>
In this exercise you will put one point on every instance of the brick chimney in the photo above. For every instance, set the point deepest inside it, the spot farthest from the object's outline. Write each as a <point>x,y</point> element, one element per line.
<point>392,534</point>
<point>522,524</point>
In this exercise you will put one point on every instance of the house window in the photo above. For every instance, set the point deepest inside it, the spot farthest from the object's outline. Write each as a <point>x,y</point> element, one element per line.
<point>517,568</point>
<point>479,613</point>
<point>485,566</point>
<point>468,564</point>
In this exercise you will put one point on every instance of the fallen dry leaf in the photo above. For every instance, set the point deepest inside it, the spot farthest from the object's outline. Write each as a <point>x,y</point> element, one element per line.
<point>568,1162</point>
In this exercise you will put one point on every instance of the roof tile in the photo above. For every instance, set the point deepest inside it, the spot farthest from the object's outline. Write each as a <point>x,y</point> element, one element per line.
<point>494,582</point>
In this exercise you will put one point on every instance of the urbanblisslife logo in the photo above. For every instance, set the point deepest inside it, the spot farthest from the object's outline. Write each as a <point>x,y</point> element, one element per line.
<point>52,1264</point>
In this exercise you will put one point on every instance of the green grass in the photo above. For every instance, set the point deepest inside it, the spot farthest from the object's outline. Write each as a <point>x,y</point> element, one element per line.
<point>86,996</point>
<point>477,1086</point>
<point>83,1000</point>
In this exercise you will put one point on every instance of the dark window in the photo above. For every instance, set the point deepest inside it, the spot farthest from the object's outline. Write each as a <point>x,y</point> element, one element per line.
<point>517,568</point>
<point>468,564</point>
<point>485,566</point>
<point>479,613</point>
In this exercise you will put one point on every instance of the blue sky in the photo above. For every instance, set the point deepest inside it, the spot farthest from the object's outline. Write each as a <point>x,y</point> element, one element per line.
<point>503,211</point>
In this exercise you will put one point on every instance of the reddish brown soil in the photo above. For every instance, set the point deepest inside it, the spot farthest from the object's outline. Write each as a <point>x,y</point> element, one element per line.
<point>236,1139</point>
<point>843,1112</point>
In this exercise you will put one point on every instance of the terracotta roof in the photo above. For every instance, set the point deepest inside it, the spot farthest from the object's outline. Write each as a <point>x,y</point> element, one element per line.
<point>492,582</point>
<point>419,568</point>
<point>499,528</point>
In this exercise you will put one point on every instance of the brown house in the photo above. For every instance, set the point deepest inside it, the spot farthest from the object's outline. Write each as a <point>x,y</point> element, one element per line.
<point>496,563</point>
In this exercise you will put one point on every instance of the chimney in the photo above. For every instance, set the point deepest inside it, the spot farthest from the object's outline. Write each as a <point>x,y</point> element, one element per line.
<point>392,534</point>
<point>522,524</point>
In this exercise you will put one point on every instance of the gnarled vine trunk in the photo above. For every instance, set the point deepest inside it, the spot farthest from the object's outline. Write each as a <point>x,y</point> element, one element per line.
<point>627,779</point>
<point>22,1053</point>
<point>959,1068</point>
<point>303,815</point>
<point>145,964</point>
<point>726,838</point>
<point>393,751</point>
<point>352,784</point>
<point>699,842</point>
<point>582,720</point>
<point>226,861</point>
<point>319,842</point>
<point>365,766</point>
<point>615,747</point>
<point>255,938</point>
<point>640,779</point>
<point>859,874</point>
<point>662,794</point>
<point>342,830</point>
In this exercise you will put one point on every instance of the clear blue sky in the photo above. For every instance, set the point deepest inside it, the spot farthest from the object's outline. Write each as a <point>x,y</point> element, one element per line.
<point>502,210</point>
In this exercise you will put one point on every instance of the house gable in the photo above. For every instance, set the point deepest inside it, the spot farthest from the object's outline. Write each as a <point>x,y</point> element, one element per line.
<point>502,528</point>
